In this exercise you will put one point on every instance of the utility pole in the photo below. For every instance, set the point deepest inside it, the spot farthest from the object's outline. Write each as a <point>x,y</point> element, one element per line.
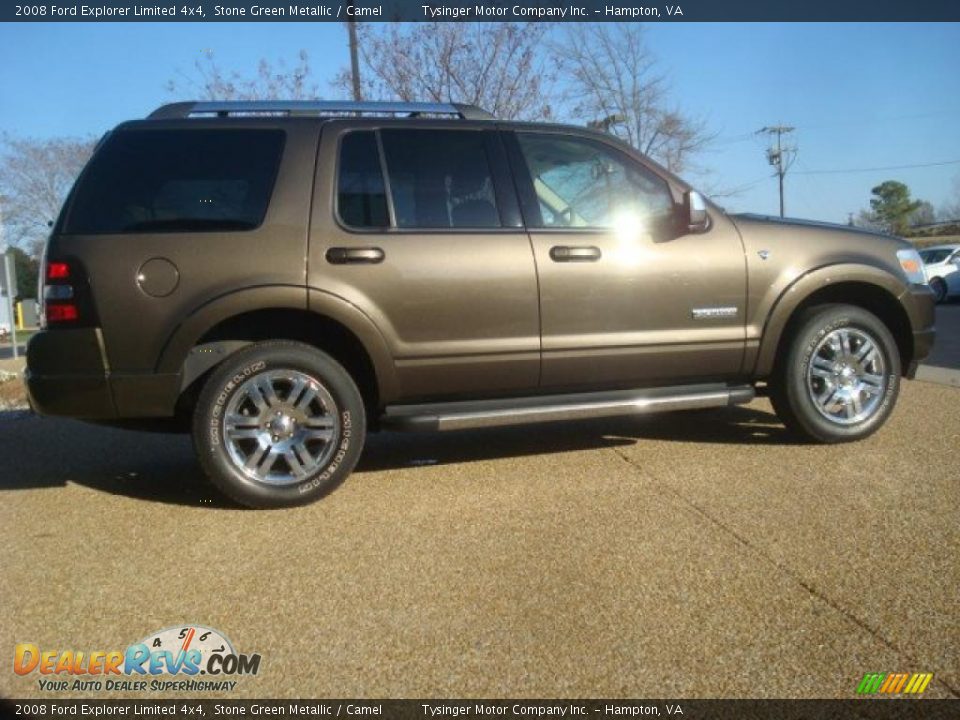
<point>780,157</point>
<point>9,271</point>
<point>354,60</point>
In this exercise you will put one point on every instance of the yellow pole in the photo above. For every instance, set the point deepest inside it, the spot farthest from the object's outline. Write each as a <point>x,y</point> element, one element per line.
<point>20,315</point>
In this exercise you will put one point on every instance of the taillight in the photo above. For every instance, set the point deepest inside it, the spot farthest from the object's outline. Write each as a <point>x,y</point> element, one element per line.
<point>62,313</point>
<point>58,271</point>
<point>58,295</point>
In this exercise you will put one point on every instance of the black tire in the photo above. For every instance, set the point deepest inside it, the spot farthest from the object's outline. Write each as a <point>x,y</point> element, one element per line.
<point>939,287</point>
<point>237,383</point>
<point>791,388</point>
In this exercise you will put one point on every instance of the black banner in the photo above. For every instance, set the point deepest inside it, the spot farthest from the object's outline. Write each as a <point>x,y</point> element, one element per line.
<point>476,709</point>
<point>484,11</point>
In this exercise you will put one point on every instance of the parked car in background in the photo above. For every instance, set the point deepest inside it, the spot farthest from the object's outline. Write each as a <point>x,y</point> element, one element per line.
<point>942,261</point>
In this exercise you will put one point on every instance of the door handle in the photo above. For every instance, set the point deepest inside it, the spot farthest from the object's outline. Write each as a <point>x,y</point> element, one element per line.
<point>568,253</point>
<point>365,255</point>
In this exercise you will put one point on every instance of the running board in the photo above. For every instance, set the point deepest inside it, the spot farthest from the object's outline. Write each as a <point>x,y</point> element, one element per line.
<point>551,408</point>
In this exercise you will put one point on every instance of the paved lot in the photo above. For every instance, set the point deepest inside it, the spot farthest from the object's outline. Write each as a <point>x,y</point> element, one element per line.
<point>946,350</point>
<point>697,554</point>
<point>6,350</point>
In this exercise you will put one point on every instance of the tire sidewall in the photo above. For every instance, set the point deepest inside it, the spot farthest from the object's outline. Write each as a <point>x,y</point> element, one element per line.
<point>939,286</point>
<point>808,338</point>
<point>224,384</point>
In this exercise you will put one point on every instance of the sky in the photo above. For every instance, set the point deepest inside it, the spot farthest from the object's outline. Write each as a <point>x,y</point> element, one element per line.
<point>860,95</point>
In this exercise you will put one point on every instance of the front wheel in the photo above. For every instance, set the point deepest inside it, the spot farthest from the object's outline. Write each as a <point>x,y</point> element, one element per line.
<point>839,376</point>
<point>939,287</point>
<point>279,424</point>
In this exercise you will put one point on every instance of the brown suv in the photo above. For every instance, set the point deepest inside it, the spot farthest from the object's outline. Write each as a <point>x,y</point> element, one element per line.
<point>284,277</point>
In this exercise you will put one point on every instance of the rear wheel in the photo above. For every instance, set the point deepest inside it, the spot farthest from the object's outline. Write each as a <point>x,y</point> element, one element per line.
<point>839,376</point>
<point>279,424</point>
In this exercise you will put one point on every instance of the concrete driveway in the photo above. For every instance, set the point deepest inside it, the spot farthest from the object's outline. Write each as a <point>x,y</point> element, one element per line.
<point>700,554</point>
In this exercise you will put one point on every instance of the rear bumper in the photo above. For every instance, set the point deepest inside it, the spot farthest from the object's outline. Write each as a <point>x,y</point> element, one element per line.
<point>68,375</point>
<point>77,396</point>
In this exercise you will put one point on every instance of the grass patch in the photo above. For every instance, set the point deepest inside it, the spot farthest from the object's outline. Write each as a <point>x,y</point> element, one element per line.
<point>13,393</point>
<point>22,337</point>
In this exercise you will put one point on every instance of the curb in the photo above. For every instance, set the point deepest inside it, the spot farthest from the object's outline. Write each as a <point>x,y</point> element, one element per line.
<point>938,375</point>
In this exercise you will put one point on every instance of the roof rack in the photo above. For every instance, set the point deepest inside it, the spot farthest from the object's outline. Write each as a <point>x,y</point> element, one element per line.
<point>318,108</point>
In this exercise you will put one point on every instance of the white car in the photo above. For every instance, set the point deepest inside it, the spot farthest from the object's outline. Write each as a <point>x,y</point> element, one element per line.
<point>942,262</point>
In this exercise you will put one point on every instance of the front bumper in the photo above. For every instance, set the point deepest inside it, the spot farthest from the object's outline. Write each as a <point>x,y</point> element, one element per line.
<point>919,303</point>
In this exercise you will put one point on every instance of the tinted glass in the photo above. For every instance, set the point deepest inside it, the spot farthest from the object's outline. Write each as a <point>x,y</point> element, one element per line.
<point>580,183</point>
<point>177,181</point>
<point>934,256</point>
<point>440,179</point>
<point>361,197</point>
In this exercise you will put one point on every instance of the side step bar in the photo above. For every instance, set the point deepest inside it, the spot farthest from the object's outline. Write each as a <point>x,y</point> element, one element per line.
<point>551,408</point>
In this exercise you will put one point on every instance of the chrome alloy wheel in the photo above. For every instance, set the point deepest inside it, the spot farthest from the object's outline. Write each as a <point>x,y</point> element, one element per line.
<point>846,377</point>
<point>280,427</point>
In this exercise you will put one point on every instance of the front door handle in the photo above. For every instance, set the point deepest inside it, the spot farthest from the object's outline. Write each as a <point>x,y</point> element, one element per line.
<point>572,253</point>
<point>364,255</point>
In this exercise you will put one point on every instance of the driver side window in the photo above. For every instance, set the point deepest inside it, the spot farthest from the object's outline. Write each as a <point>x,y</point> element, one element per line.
<point>579,183</point>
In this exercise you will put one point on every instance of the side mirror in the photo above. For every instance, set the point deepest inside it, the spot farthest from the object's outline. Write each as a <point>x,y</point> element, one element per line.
<point>695,212</point>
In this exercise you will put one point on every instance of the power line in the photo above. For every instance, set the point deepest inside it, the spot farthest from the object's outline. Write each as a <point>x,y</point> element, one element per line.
<point>875,169</point>
<point>872,121</point>
<point>730,192</point>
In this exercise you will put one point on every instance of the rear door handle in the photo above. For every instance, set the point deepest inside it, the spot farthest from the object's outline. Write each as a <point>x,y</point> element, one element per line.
<point>573,253</point>
<point>365,255</point>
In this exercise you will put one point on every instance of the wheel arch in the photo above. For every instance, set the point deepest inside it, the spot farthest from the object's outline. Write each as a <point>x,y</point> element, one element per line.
<point>870,288</point>
<point>218,329</point>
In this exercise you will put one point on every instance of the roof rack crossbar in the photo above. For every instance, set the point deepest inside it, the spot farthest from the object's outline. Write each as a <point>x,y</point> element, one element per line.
<point>317,108</point>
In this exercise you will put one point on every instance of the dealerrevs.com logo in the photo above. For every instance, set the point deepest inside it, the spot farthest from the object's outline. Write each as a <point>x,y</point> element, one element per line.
<point>191,658</point>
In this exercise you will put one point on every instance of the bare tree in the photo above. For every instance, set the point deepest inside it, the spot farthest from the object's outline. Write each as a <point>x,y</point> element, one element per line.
<point>35,177</point>
<point>923,215</point>
<point>498,66</point>
<point>614,82</point>
<point>270,81</point>
<point>950,210</point>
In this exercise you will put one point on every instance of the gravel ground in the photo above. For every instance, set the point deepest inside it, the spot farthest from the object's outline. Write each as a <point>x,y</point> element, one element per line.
<point>699,554</point>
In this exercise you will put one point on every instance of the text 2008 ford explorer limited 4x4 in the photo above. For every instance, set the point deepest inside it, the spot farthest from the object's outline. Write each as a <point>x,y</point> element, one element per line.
<point>284,277</point>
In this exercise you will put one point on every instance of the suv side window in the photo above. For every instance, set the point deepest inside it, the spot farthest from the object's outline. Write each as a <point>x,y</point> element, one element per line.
<point>580,183</point>
<point>440,179</point>
<point>361,194</point>
<point>177,181</point>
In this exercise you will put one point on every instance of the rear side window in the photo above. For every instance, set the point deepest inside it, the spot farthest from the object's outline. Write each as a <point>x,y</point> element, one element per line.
<point>440,179</point>
<point>177,181</point>
<point>361,196</point>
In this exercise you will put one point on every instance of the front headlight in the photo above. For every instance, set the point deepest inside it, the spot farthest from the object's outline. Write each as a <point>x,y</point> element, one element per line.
<point>912,266</point>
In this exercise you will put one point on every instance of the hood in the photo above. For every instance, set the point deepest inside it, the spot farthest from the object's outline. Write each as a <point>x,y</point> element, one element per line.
<point>771,220</point>
<point>776,247</point>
